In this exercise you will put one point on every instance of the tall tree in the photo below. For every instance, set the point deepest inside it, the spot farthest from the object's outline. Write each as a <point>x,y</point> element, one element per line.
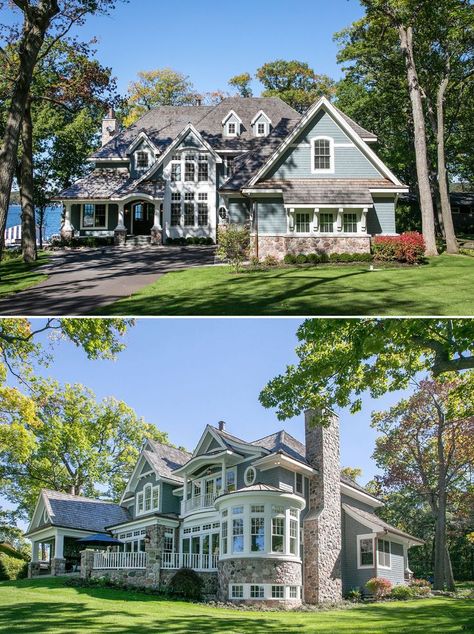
<point>295,82</point>
<point>159,87</point>
<point>38,19</point>
<point>425,445</point>
<point>242,84</point>
<point>77,445</point>
<point>339,359</point>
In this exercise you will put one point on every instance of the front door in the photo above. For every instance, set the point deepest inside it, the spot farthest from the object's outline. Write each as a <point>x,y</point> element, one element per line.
<point>142,218</point>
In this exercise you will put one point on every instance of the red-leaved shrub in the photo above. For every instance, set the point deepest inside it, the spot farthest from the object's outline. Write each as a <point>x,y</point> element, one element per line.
<point>379,587</point>
<point>408,247</point>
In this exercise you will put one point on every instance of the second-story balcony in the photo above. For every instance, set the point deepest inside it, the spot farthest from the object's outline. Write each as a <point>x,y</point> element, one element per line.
<point>198,502</point>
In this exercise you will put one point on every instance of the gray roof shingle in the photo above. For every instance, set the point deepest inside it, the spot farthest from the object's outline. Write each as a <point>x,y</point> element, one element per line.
<point>374,519</point>
<point>164,459</point>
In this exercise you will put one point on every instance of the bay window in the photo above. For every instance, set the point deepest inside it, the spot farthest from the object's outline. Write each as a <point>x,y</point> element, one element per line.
<point>224,537</point>
<point>237,535</point>
<point>257,534</point>
<point>278,534</point>
<point>94,216</point>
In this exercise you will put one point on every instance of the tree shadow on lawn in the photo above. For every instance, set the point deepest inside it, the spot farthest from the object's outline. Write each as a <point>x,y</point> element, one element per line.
<point>303,294</point>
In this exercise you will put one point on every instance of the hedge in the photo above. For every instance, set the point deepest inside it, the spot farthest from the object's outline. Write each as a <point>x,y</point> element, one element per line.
<point>408,247</point>
<point>12,568</point>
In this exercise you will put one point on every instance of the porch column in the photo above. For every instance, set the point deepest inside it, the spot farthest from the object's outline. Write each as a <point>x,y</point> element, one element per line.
<point>59,546</point>
<point>340,214</point>
<point>35,551</point>
<point>363,222</point>
<point>316,219</point>
<point>67,230</point>
<point>291,220</point>
<point>156,233</point>
<point>120,231</point>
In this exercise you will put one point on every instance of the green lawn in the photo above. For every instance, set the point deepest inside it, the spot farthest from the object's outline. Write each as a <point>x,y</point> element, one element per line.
<point>44,605</point>
<point>15,275</point>
<point>445,286</point>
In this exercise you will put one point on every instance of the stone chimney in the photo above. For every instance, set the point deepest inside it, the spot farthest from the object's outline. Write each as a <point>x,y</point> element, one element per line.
<point>109,126</point>
<point>221,425</point>
<point>322,531</point>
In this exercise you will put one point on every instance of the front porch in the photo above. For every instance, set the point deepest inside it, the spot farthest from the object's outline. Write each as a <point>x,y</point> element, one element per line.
<point>140,561</point>
<point>55,552</point>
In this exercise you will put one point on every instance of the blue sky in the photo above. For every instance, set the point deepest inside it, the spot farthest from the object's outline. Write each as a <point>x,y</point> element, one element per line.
<point>211,41</point>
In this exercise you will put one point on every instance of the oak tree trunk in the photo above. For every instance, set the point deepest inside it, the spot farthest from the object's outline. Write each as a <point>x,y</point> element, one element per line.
<point>28,225</point>
<point>36,21</point>
<point>440,546</point>
<point>448,570</point>
<point>426,201</point>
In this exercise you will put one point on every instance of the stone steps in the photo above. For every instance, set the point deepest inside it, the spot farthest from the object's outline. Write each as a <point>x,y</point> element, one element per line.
<point>137,241</point>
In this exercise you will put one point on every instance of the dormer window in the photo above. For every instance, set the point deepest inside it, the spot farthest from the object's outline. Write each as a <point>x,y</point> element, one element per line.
<point>260,129</point>
<point>231,129</point>
<point>232,124</point>
<point>322,155</point>
<point>261,124</point>
<point>142,160</point>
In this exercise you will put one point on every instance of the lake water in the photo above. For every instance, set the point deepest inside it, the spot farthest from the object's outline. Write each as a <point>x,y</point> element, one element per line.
<point>52,223</point>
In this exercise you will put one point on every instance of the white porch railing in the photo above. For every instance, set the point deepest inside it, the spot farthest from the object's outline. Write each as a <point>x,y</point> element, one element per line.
<point>198,502</point>
<point>189,560</point>
<point>12,235</point>
<point>120,560</point>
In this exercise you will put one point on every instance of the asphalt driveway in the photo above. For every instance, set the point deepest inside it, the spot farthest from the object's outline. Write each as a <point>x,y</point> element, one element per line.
<point>82,281</point>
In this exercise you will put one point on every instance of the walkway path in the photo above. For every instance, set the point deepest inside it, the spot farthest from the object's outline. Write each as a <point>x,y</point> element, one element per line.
<point>81,281</point>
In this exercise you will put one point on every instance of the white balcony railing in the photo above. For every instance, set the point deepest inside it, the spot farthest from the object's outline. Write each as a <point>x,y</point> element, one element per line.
<point>198,502</point>
<point>189,560</point>
<point>115,561</point>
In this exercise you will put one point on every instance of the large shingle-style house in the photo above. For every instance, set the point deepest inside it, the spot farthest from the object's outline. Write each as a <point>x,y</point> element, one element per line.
<point>301,182</point>
<point>268,520</point>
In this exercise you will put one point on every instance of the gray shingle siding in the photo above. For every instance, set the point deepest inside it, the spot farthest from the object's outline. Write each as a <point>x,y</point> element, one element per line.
<point>271,216</point>
<point>346,499</point>
<point>169,503</point>
<point>396,572</point>
<point>238,210</point>
<point>353,577</point>
<point>381,219</point>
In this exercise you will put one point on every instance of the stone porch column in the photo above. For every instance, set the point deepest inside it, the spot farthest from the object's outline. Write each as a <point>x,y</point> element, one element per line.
<point>58,563</point>
<point>67,229</point>
<point>87,563</point>
<point>120,231</point>
<point>154,548</point>
<point>156,230</point>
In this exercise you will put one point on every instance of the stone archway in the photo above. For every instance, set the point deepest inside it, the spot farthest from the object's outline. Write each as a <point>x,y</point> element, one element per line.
<point>139,217</point>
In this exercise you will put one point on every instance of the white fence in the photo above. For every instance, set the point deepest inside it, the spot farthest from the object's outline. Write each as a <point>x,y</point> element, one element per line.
<point>198,502</point>
<point>13,235</point>
<point>115,561</point>
<point>189,560</point>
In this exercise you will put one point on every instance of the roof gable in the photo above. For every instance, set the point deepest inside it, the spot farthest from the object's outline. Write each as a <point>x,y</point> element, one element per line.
<point>139,141</point>
<point>231,115</point>
<point>260,115</point>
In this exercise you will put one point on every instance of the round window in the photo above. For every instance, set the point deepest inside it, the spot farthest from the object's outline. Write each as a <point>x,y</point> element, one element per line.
<point>250,475</point>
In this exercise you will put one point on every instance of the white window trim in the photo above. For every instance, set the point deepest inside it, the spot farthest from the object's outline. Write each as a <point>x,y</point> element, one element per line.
<point>267,592</point>
<point>359,538</point>
<point>248,470</point>
<point>93,228</point>
<point>152,508</point>
<point>227,128</point>
<point>302,493</point>
<point>147,166</point>
<point>379,565</point>
<point>265,128</point>
<point>314,170</point>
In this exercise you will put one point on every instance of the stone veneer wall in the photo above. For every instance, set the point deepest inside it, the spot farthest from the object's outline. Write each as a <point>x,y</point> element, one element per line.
<point>209,580</point>
<point>258,570</point>
<point>58,566</point>
<point>279,246</point>
<point>322,529</point>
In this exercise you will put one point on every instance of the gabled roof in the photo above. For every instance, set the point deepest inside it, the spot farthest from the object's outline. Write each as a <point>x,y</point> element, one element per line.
<point>284,442</point>
<point>259,114</point>
<point>164,459</point>
<point>230,114</point>
<point>142,136</point>
<point>375,523</point>
<point>79,512</point>
<point>111,184</point>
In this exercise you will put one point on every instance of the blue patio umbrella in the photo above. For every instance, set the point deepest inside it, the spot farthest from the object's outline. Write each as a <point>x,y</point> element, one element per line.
<point>100,539</point>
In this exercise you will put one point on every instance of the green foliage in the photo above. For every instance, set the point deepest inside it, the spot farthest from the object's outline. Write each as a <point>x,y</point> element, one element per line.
<point>402,593</point>
<point>354,595</point>
<point>233,245</point>
<point>242,83</point>
<point>159,87</point>
<point>289,258</point>
<point>341,358</point>
<point>270,260</point>
<point>202,241</point>
<point>12,567</point>
<point>187,584</point>
<point>379,587</point>
<point>294,82</point>
<point>301,259</point>
<point>353,473</point>
<point>350,257</point>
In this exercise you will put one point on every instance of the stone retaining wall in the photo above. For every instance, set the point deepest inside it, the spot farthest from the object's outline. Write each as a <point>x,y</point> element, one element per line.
<point>279,246</point>
<point>209,579</point>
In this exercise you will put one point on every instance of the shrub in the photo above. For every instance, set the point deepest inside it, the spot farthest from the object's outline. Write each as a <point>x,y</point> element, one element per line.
<point>270,260</point>
<point>301,258</point>
<point>186,583</point>
<point>234,245</point>
<point>379,587</point>
<point>469,252</point>
<point>408,247</point>
<point>420,587</point>
<point>254,261</point>
<point>289,258</point>
<point>354,595</point>
<point>314,258</point>
<point>324,257</point>
<point>402,593</point>
<point>12,567</point>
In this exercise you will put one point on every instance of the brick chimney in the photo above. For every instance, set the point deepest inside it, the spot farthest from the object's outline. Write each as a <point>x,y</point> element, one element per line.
<point>109,126</point>
<point>322,525</point>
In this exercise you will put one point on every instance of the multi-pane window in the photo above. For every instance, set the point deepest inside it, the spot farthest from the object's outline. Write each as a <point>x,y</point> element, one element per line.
<point>366,551</point>
<point>203,214</point>
<point>326,223</point>
<point>231,129</point>
<point>302,224</point>
<point>203,168</point>
<point>189,209</point>
<point>151,499</point>
<point>237,535</point>
<point>224,538</point>
<point>228,162</point>
<point>148,499</point>
<point>293,593</point>
<point>293,537</point>
<point>260,129</point>
<point>322,154</point>
<point>175,209</point>
<point>350,223</point>
<point>383,553</point>
<point>299,483</point>
<point>140,503</point>
<point>189,167</point>
<point>176,171</point>
<point>257,592</point>
<point>142,160</point>
<point>230,481</point>
<point>168,542</point>
<point>278,592</point>
<point>278,534</point>
<point>155,497</point>
<point>257,534</point>
<point>93,215</point>
<point>237,592</point>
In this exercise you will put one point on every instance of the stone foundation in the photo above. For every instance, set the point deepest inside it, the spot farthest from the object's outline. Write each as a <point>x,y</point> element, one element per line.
<point>156,236</point>
<point>209,582</point>
<point>120,236</point>
<point>258,571</point>
<point>34,569</point>
<point>279,246</point>
<point>58,567</point>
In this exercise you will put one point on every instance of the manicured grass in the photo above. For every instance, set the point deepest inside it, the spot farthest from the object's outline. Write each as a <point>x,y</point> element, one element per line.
<point>444,286</point>
<point>15,275</point>
<point>45,605</point>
